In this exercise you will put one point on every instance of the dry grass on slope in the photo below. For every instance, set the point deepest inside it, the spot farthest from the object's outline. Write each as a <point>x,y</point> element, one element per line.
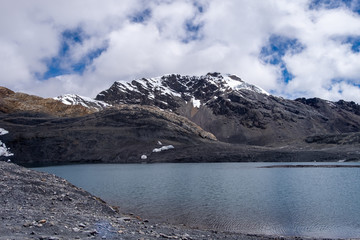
<point>11,102</point>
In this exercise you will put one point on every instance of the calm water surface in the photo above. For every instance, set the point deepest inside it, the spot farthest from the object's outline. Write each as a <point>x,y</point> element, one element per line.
<point>240,197</point>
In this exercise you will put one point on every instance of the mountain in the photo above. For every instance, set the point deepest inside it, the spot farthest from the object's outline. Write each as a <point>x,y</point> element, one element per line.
<point>169,91</point>
<point>47,131</point>
<point>43,130</point>
<point>137,134</point>
<point>74,99</point>
<point>236,111</point>
<point>11,102</point>
<point>122,134</point>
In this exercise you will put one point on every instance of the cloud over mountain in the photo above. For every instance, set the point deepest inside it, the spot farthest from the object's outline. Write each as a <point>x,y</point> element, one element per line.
<point>290,48</point>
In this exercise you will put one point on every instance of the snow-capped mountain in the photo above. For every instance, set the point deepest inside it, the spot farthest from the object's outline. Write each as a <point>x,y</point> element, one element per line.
<point>73,99</point>
<point>231,109</point>
<point>185,112</point>
<point>171,91</point>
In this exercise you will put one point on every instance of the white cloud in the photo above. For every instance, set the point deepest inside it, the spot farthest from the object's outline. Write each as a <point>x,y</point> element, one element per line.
<point>325,58</point>
<point>14,69</point>
<point>230,39</point>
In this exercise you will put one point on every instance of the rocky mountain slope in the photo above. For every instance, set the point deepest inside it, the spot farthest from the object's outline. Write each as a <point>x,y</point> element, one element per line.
<point>134,133</point>
<point>127,133</point>
<point>178,119</point>
<point>11,102</point>
<point>238,112</point>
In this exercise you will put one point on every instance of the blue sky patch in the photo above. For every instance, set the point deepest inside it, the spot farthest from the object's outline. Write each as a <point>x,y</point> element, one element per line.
<point>193,31</point>
<point>141,17</point>
<point>76,35</point>
<point>199,7</point>
<point>80,66</point>
<point>353,5</point>
<point>62,64</point>
<point>329,4</point>
<point>354,41</point>
<point>337,81</point>
<point>276,49</point>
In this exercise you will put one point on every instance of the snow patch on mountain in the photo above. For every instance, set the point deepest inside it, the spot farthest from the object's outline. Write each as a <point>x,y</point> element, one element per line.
<point>4,151</point>
<point>196,103</point>
<point>73,99</point>
<point>149,84</point>
<point>3,131</point>
<point>236,83</point>
<point>163,148</point>
<point>127,86</point>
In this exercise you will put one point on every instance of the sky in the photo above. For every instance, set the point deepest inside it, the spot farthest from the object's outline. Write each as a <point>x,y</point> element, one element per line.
<point>290,48</point>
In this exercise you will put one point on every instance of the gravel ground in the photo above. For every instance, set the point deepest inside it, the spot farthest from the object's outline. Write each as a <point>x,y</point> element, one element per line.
<point>36,205</point>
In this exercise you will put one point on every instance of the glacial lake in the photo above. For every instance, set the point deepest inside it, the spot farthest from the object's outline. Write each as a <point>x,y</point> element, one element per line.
<point>236,197</point>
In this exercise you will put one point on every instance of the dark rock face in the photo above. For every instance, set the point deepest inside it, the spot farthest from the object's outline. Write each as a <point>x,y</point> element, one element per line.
<point>338,139</point>
<point>131,133</point>
<point>238,112</point>
<point>121,134</point>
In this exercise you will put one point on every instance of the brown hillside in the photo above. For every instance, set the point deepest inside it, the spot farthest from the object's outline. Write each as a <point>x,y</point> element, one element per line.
<point>11,102</point>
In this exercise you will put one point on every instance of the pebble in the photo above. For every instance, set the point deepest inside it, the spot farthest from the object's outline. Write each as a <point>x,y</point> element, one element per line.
<point>94,232</point>
<point>168,236</point>
<point>28,224</point>
<point>82,225</point>
<point>186,235</point>
<point>124,219</point>
<point>54,238</point>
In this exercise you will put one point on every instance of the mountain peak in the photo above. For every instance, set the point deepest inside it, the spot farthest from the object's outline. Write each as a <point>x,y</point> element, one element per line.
<point>236,83</point>
<point>157,91</point>
<point>74,99</point>
<point>232,109</point>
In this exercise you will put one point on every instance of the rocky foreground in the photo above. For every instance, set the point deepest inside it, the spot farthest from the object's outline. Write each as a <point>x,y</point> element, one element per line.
<point>37,205</point>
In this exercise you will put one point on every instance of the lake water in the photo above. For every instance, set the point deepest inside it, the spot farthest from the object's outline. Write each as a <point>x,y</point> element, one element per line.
<point>238,197</point>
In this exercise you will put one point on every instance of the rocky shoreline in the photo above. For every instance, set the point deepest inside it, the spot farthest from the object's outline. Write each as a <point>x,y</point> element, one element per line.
<point>37,205</point>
